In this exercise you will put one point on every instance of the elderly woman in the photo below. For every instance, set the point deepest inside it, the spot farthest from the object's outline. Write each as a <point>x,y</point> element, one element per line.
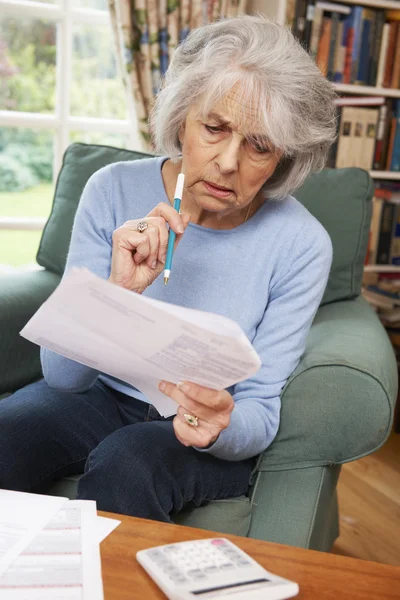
<point>247,116</point>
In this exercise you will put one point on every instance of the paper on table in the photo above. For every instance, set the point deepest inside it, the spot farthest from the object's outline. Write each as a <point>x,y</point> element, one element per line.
<point>61,562</point>
<point>21,517</point>
<point>104,526</point>
<point>141,340</point>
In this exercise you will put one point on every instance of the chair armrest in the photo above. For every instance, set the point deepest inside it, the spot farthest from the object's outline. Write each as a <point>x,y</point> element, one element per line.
<point>338,404</point>
<point>21,294</point>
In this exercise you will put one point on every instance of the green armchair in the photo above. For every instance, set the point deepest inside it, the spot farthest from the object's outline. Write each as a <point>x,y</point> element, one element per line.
<point>336,407</point>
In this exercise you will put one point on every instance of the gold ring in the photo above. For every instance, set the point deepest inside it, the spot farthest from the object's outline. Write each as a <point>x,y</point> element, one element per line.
<point>191,419</point>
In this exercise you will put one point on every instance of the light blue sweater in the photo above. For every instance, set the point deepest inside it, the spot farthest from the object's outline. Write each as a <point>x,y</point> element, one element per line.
<point>268,275</point>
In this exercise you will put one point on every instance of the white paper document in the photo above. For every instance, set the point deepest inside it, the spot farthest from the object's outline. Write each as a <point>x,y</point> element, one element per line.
<point>62,562</point>
<point>140,340</point>
<point>22,516</point>
<point>105,526</point>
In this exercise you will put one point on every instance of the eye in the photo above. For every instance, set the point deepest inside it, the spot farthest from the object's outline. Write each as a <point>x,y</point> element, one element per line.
<point>259,147</point>
<point>212,129</point>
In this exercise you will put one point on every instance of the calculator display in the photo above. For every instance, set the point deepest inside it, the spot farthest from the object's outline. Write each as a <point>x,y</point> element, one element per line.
<point>228,586</point>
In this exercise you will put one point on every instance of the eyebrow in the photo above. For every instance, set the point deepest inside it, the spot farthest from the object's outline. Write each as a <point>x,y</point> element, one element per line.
<point>217,117</point>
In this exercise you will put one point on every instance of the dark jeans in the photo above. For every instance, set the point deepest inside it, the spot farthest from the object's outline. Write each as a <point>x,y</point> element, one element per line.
<point>132,462</point>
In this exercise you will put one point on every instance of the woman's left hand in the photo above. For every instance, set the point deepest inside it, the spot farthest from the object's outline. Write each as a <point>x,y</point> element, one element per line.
<point>211,407</point>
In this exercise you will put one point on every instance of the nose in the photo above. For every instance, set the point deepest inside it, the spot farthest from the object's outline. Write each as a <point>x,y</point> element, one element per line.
<point>228,157</point>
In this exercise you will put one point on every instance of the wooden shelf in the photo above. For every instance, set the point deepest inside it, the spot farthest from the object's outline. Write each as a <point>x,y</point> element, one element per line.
<point>394,175</point>
<point>381,269</point>
<point>390,4</point>
<point>366,90</point>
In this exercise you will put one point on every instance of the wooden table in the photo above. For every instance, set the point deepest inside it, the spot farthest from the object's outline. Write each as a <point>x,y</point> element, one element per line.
<point>320,576</point>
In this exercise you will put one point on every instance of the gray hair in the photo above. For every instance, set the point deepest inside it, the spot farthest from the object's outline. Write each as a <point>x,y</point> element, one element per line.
<point>292,102</point>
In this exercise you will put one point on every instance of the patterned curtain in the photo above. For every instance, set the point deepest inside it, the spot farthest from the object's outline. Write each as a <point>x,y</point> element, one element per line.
<point>147,33</point>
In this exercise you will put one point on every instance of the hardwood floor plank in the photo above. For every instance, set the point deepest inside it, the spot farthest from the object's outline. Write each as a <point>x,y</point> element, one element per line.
<point>369,506</point>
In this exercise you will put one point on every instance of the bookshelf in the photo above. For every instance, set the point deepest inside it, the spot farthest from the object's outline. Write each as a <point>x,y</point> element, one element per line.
<point>392,175</point>
<point>365,90</point>
<point>277,9</point>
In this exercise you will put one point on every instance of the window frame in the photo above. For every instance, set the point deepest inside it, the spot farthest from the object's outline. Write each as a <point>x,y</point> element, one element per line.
<point>61,122</point>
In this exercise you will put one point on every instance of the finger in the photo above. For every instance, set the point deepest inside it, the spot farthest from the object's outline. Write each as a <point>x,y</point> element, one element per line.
<point>186,220</point>
<point>171,216</point>
<point>163,239</point>
<point>191,436</point>
<point>154,241</point>
<point>219,400</point>
<point>142,250</point>
<point>216,418</point>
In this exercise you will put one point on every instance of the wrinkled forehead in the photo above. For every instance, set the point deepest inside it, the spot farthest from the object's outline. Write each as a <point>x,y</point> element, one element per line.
<point>240,109</point>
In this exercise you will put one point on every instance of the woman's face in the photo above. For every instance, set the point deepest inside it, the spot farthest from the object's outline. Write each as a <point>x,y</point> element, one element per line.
<point>225,164</point>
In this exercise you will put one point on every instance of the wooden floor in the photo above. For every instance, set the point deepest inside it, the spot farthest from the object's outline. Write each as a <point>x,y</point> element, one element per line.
<point>369,505</point>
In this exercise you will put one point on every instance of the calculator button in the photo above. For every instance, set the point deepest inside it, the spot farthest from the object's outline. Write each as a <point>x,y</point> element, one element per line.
<point>211,569</point>
<point>196,574</point>
<point>169,549</point>
<point>226,566</point>
<point>155,554</point>
<point>178,578</point>
<point>242,562</point>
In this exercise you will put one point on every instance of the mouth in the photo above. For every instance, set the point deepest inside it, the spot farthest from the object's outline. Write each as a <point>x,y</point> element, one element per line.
<point>217,190</point>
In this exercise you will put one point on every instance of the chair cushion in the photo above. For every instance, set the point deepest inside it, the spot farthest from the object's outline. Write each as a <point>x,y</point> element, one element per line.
<point>227,516</point>
<point>79,163</point>
<point>341,199</point>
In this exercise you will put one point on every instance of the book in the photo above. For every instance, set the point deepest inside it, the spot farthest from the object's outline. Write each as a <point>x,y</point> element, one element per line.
<point>382,55</point>
<point>392,135</point>
<point>367,17</point>
<point>395,158</point>
<point>324,46</point>
<point>316,31</point>
<point>395,247</point>
<point>385,233</point>
<point>346,131</point>
<point>357,24</point>
<point>335,20</point>
<point>374,229</point>
<point>383,111</point>
<point>387,77</point>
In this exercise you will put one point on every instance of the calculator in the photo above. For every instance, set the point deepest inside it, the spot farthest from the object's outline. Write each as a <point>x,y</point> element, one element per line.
<point>210,569</point>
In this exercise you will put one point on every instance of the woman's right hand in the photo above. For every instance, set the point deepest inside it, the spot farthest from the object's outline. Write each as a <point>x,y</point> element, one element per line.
<point>138,258</point>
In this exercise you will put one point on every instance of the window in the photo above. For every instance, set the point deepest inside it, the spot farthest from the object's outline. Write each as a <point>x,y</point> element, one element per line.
<point>58,84</point>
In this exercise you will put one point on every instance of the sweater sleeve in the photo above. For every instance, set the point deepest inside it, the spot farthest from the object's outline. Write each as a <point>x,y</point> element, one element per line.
<point>280,340</point>
<point>90,247</point>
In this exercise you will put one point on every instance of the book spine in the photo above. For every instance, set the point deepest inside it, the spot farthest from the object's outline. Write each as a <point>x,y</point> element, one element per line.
<point>338,63</point>
<point>363,56</point>
<point>310,13</point>
<point>385,233</point>
<point>358,10</point>
<point>377,204</point>
<point>382,55</point>
<point>324,44</point>
<point>386,137</point>
<point>349,48</point>
<point>383,111</point>
<point>393,128</point>
<point>395,247</point>
<point>387,78</point>
<point>375,52</point>
<point>332,44</point>
<point>395,80</point>
<point>316,32</point>
<point>395,161</point>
